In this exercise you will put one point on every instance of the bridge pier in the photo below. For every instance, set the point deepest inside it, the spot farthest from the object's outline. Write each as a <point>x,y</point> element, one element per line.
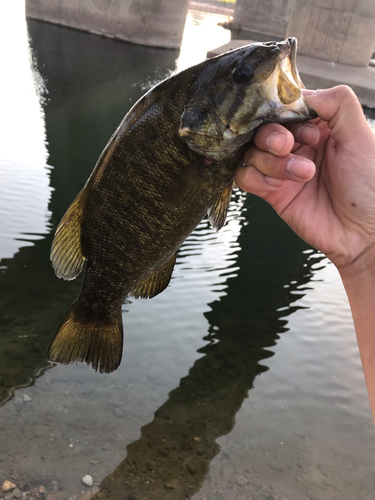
<point>269,17</point>
<point>158,23</point>
<point>336,30</point>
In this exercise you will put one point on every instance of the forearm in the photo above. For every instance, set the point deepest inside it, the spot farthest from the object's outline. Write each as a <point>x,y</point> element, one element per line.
<point>359,283</point>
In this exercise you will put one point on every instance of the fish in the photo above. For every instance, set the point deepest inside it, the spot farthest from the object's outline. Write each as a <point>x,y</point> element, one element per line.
<point>170,162</point>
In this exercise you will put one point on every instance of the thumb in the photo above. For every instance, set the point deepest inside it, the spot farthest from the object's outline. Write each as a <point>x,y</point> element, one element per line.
<point>340,108</point>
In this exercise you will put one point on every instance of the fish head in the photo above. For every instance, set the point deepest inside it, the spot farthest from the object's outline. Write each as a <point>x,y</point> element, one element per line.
<point>236,92</point>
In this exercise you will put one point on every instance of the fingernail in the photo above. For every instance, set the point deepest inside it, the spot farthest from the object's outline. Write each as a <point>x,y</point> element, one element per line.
<point>274,182</point>
<point>307,133</point>
<point>301,169</point>
<point>276,141</point>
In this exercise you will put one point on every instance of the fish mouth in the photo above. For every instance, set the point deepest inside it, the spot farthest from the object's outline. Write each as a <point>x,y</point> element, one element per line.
<point>288,82</point>
<point>283,87</point>
<point>293,61</point>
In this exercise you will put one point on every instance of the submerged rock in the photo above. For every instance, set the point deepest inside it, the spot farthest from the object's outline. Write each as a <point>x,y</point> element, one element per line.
<point>241,481</point>
<point>18,403</point>
<point>54,485</point>
<point>87,480</point>
<point>8,486</point>
<point>17,494</point>
<point>42,492</point>
<point>172,484</point>
<point>54,496</point>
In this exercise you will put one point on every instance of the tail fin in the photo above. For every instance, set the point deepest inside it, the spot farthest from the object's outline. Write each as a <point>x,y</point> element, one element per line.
<point>97,343</point>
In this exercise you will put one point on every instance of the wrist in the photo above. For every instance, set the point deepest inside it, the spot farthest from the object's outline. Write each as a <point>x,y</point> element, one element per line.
<point>359,282</point>
<point>360,268</point>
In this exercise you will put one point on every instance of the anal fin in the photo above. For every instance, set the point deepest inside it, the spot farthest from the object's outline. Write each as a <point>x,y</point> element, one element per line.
<point>218,212</point>
<point>66,253</point>
<point>156,282</point>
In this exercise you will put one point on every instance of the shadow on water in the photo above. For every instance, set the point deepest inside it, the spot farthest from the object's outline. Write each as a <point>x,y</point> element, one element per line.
<point>173,455</point>
<point>29,294</point>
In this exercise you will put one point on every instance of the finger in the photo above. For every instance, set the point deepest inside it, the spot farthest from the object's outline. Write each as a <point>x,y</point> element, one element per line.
<point>251,180</point>
<point>279,193</point>
<point>305,133</point>
<point>338,106</point>
<point>292,167</point>
<point>275,139</point>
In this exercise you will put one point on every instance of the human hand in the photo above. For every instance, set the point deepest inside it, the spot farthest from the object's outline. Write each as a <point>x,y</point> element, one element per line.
<point>320,177</point>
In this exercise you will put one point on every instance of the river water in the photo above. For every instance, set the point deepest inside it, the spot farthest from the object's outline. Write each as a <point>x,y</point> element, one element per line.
<point>241,381</point>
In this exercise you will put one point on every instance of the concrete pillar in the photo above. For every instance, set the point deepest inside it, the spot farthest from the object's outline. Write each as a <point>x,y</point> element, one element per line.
<point>337,30</point>
<point>157,23</point>
<point>269,17</point>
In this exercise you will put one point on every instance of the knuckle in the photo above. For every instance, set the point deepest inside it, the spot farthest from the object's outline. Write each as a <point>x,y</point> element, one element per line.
<point>266,130</point>
<point>344,92</point>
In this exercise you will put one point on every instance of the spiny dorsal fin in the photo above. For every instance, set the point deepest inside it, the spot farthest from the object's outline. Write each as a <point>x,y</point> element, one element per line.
<point>218,212</point>
<point>96,343</point>
<point>189,185</point>
<point>66,253</point>
<point>156,282</point>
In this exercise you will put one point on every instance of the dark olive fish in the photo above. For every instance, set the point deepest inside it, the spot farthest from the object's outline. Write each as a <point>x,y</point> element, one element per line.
<point>171,161</point>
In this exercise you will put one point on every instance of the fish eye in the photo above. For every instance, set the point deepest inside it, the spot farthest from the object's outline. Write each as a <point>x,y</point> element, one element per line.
<point>242,74</point>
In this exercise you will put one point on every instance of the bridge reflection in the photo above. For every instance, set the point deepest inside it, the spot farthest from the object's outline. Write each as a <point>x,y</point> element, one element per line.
<point>173,455</point>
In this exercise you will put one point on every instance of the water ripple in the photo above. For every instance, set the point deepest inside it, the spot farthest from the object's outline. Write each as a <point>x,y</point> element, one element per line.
<point>24,196</point>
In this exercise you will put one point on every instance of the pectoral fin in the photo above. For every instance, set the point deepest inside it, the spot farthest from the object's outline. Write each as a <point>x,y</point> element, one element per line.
<point>66,253</point>
<point>156,282</point>
<point>189,185</point>
<point>218,212</point>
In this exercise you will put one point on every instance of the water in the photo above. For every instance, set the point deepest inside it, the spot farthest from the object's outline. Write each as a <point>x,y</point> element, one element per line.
<point>241,381</point>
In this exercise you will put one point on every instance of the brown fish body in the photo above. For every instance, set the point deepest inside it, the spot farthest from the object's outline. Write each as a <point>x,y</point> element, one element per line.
<point>127,221</point>
<point>171,161</point>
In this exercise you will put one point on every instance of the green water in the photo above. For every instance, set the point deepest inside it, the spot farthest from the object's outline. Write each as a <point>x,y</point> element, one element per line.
<point>241,381</point>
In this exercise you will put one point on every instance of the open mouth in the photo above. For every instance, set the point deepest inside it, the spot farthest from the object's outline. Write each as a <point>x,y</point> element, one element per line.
<point>288,81</point>
<point>283,86</point>
<point>289,64</point>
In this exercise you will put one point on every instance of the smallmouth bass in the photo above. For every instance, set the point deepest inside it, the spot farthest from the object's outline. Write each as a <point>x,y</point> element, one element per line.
<point>170,162</point>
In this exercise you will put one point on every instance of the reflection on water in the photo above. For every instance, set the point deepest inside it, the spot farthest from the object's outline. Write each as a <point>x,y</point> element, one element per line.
<point>24,197</point>
<point>177,419</point>
<point>22,128</point>
<point>173,455</point>
<point>24,186</point>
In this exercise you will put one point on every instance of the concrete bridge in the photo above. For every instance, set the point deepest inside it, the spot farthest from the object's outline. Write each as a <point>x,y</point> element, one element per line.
<point>341,31</point>
<point>157,23</point>
<point>336,38</point>
<point>336,30</point>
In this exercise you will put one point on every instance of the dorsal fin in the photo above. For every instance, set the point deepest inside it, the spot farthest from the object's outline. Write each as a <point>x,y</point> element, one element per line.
<point>66,253</point>
<point>218,212</point>
<point>156,282</point>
